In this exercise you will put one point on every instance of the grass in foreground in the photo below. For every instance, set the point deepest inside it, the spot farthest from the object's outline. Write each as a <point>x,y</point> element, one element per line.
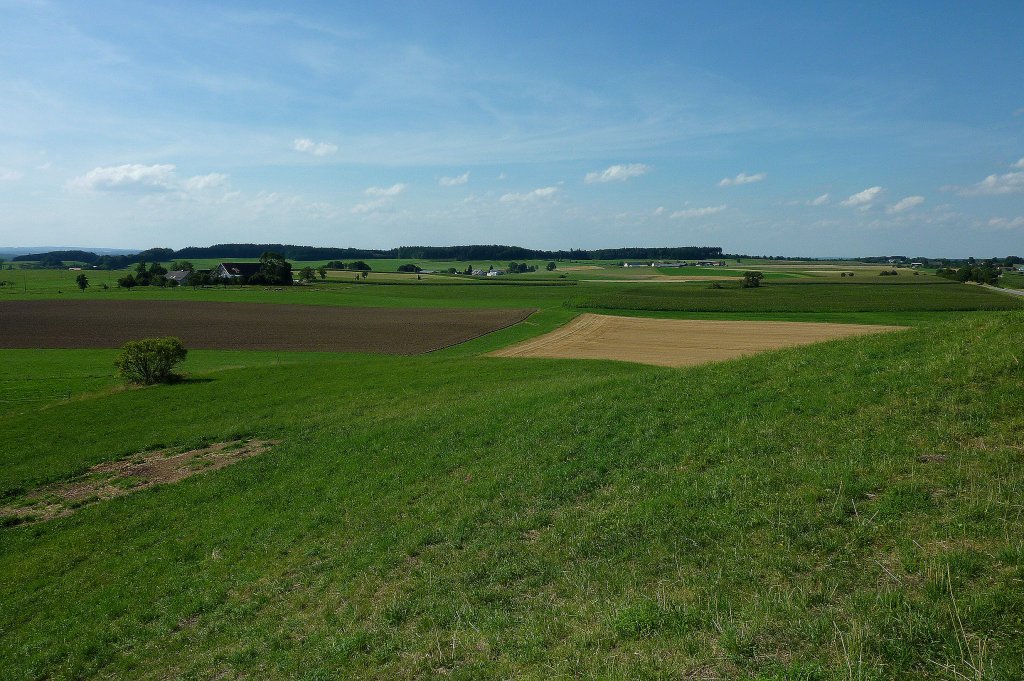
<point>844,510</point>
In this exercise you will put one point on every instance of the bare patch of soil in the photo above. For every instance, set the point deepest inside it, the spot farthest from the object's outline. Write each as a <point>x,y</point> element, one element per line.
<point>676,342</point>
<point>118,478</point>
<point>245,326</point>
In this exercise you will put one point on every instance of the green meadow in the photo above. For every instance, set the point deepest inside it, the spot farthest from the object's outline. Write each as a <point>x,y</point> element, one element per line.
<point>846,510</point>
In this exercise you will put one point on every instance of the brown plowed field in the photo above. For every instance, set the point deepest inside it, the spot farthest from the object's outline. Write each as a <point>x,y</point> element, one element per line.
<point>675,342</point>
<point>244,326</point>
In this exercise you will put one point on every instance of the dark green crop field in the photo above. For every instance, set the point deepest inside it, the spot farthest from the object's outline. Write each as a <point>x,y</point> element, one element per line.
<point>803,297</point>
<point>845,510</point>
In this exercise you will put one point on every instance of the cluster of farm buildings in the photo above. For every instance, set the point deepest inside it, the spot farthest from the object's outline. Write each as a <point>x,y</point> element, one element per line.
<point>699,263</point>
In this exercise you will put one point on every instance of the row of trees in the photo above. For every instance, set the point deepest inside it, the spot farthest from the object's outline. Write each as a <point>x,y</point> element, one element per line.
<point>985,274</point>
<point>357,266</point>
<point>308,274</point>
<point>478,252</point>
<point>146,276</point>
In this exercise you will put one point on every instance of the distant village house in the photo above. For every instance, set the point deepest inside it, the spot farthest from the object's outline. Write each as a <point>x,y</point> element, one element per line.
<point>235,270</point>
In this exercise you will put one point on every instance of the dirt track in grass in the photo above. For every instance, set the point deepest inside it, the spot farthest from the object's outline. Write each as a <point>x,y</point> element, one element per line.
<point>676,342</point>
<point>244,326</point>
<point>118,478</point>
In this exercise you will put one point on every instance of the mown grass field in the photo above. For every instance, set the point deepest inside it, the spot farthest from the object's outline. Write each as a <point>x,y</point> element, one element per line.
<point>476,517</point>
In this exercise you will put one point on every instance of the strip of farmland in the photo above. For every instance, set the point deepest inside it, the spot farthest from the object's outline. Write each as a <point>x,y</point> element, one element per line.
<point>676,342</point>
<point>245,326</point>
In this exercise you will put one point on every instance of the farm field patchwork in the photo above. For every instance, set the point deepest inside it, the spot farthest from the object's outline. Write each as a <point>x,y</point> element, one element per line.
<point>858,502</point>
<point>107,324</point>
<point>675,342</point>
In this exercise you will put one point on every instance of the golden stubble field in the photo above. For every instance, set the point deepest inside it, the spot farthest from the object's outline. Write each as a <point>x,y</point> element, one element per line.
<point>676,342</point>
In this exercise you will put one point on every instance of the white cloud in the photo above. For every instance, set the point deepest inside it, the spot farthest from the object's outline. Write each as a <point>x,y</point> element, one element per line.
<point>742,178</point>
<point>393,190</point>
<point>129,177</point>
<point>369,206</point>
<point>384,197</point>
<point>8,175</point>
<point>697,212</point>
<point>993,185</point>
<point>135,178</point>
<point>820,201</point>
<point>660,210</point>
<point>201,182</point>
<point>454,181</point>
<point>864,199</point>
<point>617,173</point>
<point>306,145</point>
<point>541,193</point>
<point>1006,223</point>
<point>905,204</point>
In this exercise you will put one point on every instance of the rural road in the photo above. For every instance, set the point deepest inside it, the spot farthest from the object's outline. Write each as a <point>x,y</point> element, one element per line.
<point>1010,291</point>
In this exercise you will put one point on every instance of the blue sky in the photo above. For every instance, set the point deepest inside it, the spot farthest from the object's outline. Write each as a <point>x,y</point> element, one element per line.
<point>779,128</point>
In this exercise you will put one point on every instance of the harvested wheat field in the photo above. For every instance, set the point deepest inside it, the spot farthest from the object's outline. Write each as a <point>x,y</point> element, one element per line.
<point>676,342</point>
<point>245,326</point>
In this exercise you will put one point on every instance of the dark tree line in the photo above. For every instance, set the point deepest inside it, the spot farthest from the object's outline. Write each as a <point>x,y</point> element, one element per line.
<point>459,253</point>
<point>985,274</point>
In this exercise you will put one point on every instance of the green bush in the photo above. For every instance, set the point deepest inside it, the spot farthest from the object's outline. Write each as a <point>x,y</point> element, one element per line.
<point>150,360</point>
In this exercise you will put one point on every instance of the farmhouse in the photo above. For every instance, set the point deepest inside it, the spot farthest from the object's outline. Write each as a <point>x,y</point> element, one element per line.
<point>235,270</point>
<point>495,273</point>
<point>710,263</point>
<point>915,265</point>
<point>180,276</point>
<point>636,264</point>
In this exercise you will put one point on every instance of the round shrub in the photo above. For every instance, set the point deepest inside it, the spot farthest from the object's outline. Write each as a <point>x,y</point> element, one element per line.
<point>150,360</point>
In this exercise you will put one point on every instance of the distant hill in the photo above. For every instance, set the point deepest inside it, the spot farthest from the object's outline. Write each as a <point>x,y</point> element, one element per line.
<point>11,251</point>
<point>292,252</point>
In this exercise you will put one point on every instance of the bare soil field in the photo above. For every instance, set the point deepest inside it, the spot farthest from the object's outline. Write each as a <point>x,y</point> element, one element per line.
<point>676,342</point>
<point>244,326</point>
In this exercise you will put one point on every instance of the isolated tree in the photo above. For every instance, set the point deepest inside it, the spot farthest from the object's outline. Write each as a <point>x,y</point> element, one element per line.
<point>197,279</point>
<point>127,281</point>
<point>469,269</point>
<point>551,266</point>
<point>307,274</point>
<point>274,270</point>
<point>82,281</point>
<point>752,279</point>
<point>150,360</point>
<point>365,274</point>
<point>322,271</point>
